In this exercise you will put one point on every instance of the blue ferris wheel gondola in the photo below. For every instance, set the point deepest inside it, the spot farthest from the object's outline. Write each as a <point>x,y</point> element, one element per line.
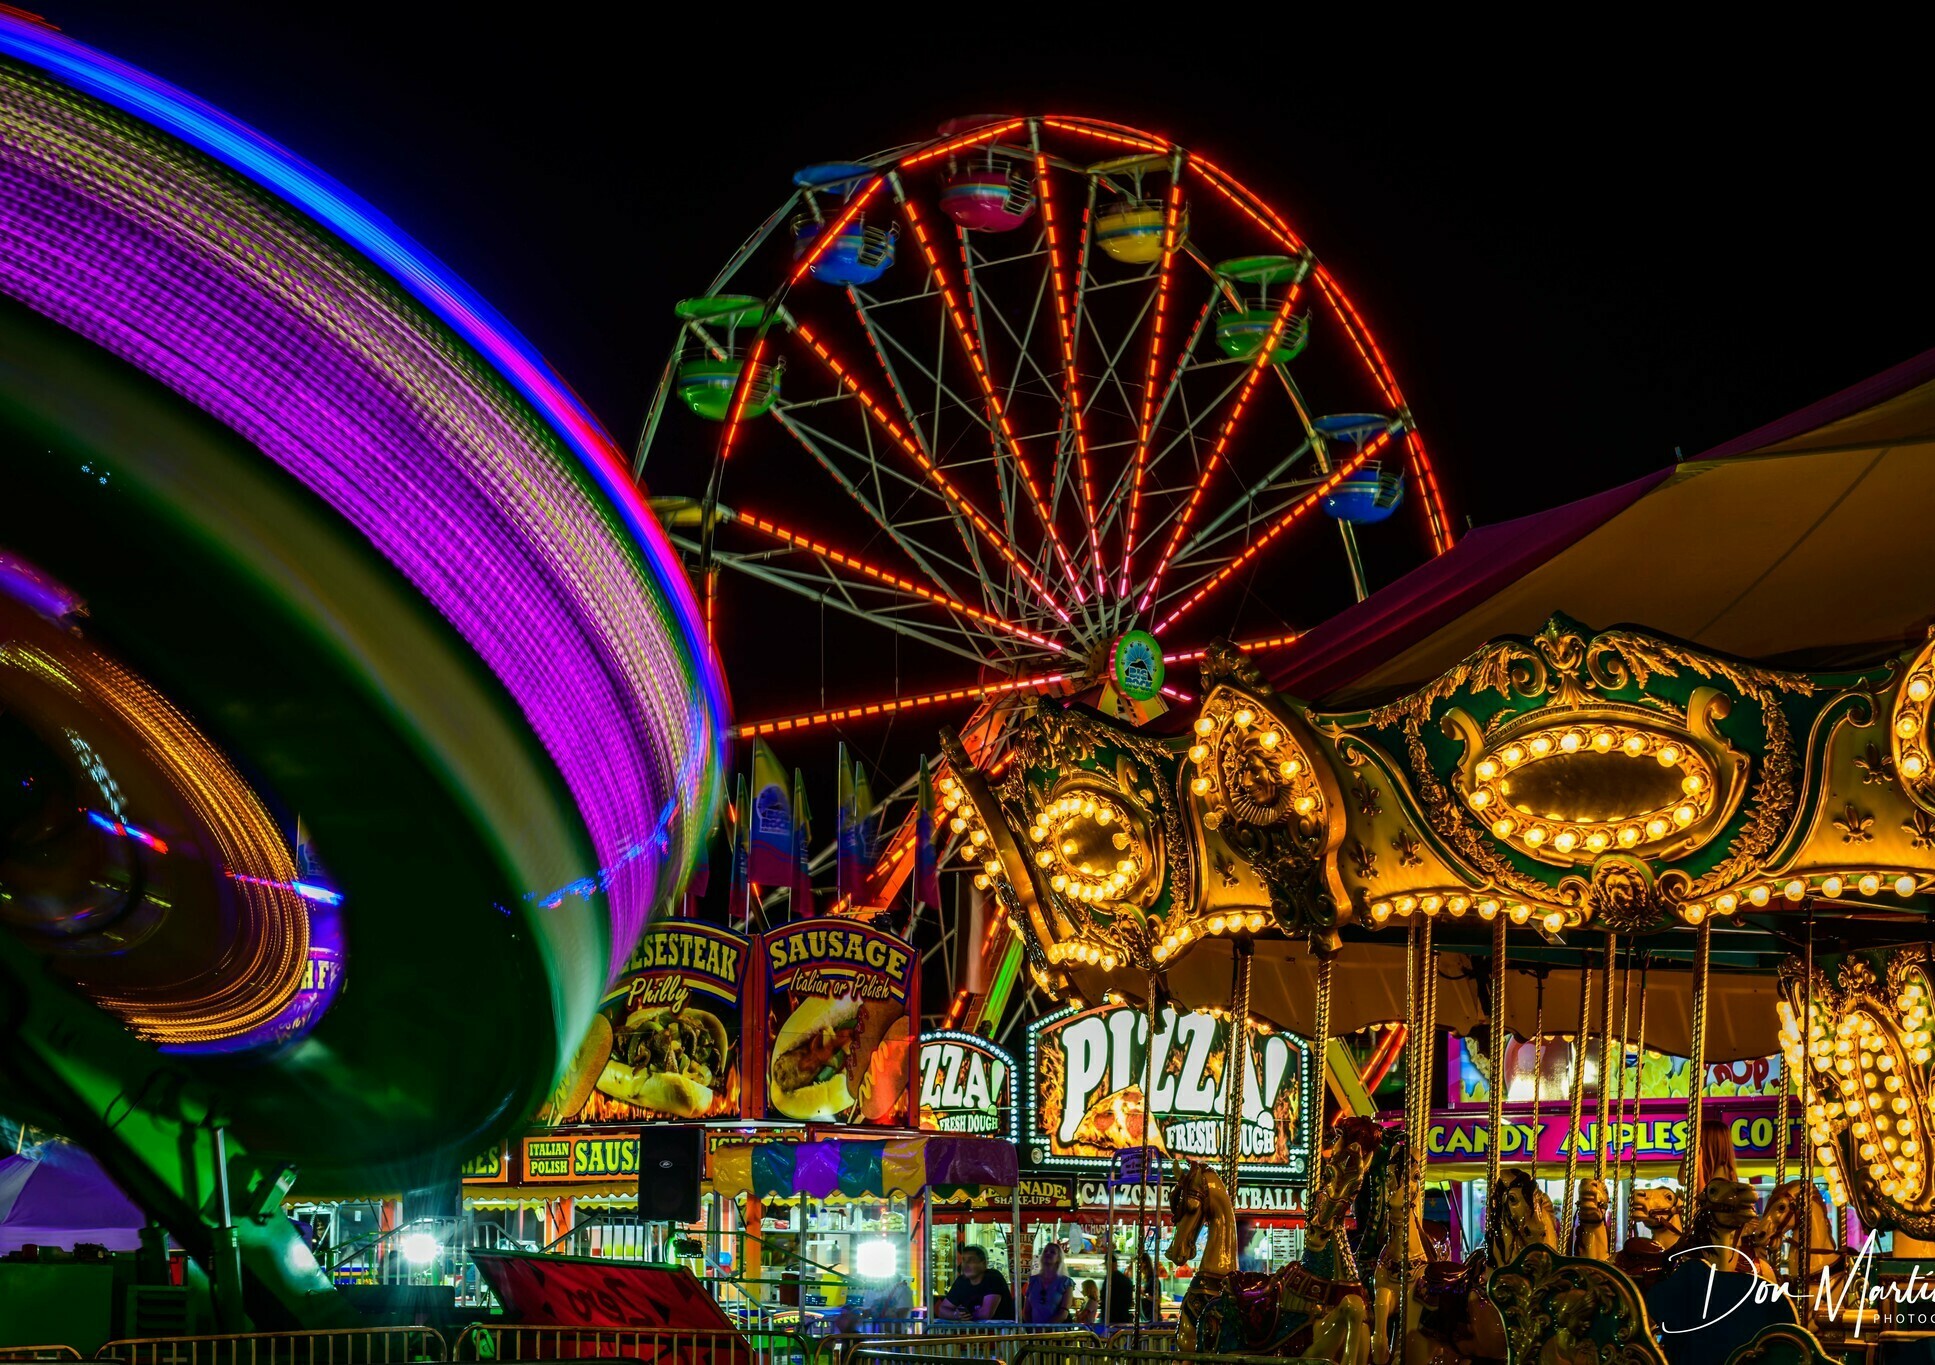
<point>1370,494</point>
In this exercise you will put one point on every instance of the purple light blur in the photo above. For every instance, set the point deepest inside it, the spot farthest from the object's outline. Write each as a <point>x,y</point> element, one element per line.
<point>493,510</point>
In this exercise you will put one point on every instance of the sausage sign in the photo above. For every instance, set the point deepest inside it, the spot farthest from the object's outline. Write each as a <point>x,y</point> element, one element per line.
<point>1088,1074</point>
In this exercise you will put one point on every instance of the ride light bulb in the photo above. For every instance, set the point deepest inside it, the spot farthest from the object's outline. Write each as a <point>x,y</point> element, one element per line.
<point>1541,746</point>
<point>1198,752</point>
<point>1869,884</point>
<point>1565,841</point>
<point>1635,745</point>
<point>1795,889</point>
<point>1200,786</point>
<point>1760,895</point>
<point>1244,716</point>
<point>1597,840</point>
<point>1904,886</point>
<point>1912,764</point>
<point>1628,836</point>
<point>1656,828</point>
<point>1204,725</point>
<point>1668,755</point>
<point>1906,726</point>
<point>1603,740</point>
<point>1487,770</point>
<point>958,825</point>
<point>1571,741</point>
<point>1272,738</point>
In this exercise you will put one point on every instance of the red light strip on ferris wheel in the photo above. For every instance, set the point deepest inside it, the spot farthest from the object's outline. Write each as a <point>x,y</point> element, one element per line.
<point>1257,367</point>
<point>1100,131</point>
<point>1071,381</point>
<point>1277,527</point>
<point>914,452</point>
<point>1171,219</point>
<point>1367,348</point>
<point>749,372</point>
<point>827,552</point>
<point>965,332</point>
<point>966,140</point>
<point>1040,683</point>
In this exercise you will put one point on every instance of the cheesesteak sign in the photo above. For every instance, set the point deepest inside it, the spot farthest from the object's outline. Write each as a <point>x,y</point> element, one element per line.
<point>1087,1075</point>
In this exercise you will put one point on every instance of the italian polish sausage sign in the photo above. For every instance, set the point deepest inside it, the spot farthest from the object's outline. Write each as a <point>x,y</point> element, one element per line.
<point>1087,1074</point>
<point>842,1004</point>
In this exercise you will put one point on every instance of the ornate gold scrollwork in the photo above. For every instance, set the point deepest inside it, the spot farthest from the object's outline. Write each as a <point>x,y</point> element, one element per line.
<point>1908,729</point>
<point>1562,1311</point>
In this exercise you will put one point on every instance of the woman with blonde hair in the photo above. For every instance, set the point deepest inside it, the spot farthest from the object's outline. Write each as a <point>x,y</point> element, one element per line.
<point>1047,1296</point>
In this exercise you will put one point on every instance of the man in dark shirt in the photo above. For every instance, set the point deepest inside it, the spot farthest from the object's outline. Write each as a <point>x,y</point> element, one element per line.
<point>1121,1296</point>
<point>979,1294</point>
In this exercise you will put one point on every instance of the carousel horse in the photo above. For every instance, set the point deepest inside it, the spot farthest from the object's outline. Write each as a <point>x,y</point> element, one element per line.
<point>1590,1237</point>
<point>1455,1321</point>
<point>1643,1259</point>
<point>1313,1308</point>
<point>1391,1188</point>
<point>1774,1239</point>
<point>1722,1214</point>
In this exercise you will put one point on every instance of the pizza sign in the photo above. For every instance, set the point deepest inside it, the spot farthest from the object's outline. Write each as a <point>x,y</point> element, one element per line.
<point>1089,1071</point>
<point>966,1086</point>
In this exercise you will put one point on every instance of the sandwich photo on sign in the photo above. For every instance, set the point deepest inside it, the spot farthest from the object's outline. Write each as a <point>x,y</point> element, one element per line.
<point>841,1031</point>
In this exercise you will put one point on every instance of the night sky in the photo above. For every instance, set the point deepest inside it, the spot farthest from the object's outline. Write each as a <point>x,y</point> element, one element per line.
<point>1578,260</point>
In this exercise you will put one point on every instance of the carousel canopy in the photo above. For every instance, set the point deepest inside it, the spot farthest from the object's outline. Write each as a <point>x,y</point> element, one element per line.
<point>1800,543</point>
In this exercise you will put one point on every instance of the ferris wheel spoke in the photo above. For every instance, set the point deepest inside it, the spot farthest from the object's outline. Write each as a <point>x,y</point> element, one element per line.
<point>1184,436</point>
<point>885,706</point>
<point>1004,435</point>
<point>1276,527</point>
<point>912,449</point>
<point>1074,432</point>
<point>828,591</point>
<point>766,526</point>
<point>1145,421</point>
<point>1220,447</point>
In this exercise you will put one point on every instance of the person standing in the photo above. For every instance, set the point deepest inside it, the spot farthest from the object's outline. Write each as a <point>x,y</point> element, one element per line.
<point>1048,1295</point>
<point>979,1294</point>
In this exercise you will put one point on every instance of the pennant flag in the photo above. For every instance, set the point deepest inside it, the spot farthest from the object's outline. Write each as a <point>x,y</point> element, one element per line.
<point>771,861</point>
<point>802,850</point>
<point>858,831</point>
<point>740,904</point>
<point>927,852</point>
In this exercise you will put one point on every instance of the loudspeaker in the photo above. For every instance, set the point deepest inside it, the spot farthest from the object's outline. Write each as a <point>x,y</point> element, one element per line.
<point>671,1163</point>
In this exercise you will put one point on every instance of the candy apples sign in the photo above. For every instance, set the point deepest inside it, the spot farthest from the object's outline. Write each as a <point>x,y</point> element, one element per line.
<point>1088,1073</point>
<point>966,1086</point>
<point>842,1002</point>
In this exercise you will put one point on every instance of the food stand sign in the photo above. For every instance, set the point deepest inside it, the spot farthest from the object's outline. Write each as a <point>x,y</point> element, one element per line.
<point>842,1004</point>
<point>967,1085</point>
<point>666,1041</point>
<point>1086,1072</point>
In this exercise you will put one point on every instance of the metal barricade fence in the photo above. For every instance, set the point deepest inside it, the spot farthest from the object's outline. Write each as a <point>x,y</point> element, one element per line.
<point>34,1353</point>
<point>511,1342</point>
<point>1108,1353</point>
<point>1001,1343</point>
<point>350,1346</point>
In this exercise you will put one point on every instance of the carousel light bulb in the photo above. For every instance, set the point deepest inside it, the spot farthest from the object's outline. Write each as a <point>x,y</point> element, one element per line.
<point>1068,848</point>
<point>1795,889</point>
<point>1922,1055</point>
<point>1565,840</point>
<point>1910,1147</point>
<point>1535,836</point>
<point>1200,786</point>
<point>981,882</point>
<point>1869,1151</point>
<point>1520,912</point>
<point>1571,741</point>
<point>1906,726</point>
<point>958,825</point>
<point>1597,840</point>
<point>1554,921</point>
<point>1692,784</point>
<point>1216,924</point>
<point>1918,689</point>
<point>1668,755</point>
<point>1039,833</point>
<point>1458,904</point>
<point>1088,806</point>
<point>1306,804</point>
<point>1603,740</point>
<point>1844,1065</point>
<point>977,837</point>
<point>1695,913</point>
<point>1899,1104</point>
<point>1198,752</point>
<point>1869,884</point>
<point>1831,885</point>
<point>1186,933</point>
<point>1480,799</point>
<point>1170,943</point>
<point>1204,725</point>
<point>1656,828</point>
<point>1502,826</point>
<point>1255,922</point>
<point>1683,815</point>
<point>1824,1155</point>
<point>992,867</point>
<point>1514,754</point>
<point>1726,903</point>
<point>1488,909</point>
<point>1912,764</point>
<point>1628,835</point>
<point>1059,882</point>
<point>1635,745</point>
<point>1108,962</point>
<point>1431,905</point>
<point>1487,769</point>
<point>1904,886</point>
<point>1406,904</point>
<point>1542,746</point>
<point>1270,738</point>
<point>1760,895</point>
<point>1380,911</point>
<point>1287,769</point>
<point>1103,815</point>
<point>1244,716</point>
<point>1043,858</point>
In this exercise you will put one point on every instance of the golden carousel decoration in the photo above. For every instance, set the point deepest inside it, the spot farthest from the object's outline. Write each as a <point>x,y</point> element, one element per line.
<point>1590,790</point>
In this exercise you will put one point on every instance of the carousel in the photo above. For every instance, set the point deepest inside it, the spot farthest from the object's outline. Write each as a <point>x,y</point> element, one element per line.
<point>1480,798</point>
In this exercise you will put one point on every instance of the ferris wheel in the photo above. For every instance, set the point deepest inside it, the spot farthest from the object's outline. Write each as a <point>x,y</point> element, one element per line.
<point>1036,396</point>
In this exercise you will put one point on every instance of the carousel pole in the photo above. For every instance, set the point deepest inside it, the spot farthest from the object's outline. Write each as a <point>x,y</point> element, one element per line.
<point>1606,1057</point>
<point>1326,976</point>
<point>1696,1080</point>
<point>1806,1217</point>
<point>1418,1080</point>
<point>1579,1039</point>
<point>1495,1149</point>
<point>1142,1235</point>
<point>1639,1080</point>
<point>1239,1056</point>
<point>1538,1071</point>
